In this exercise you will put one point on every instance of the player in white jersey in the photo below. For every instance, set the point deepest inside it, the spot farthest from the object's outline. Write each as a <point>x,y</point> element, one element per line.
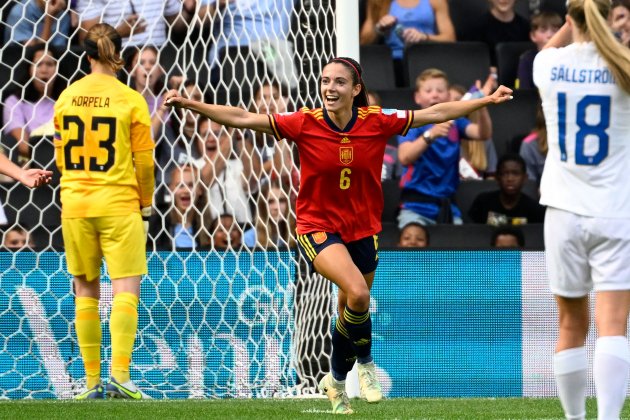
<point>583,76</point>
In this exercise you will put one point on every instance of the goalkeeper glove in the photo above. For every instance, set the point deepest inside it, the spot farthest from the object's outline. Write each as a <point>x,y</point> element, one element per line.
<point>146,215</point>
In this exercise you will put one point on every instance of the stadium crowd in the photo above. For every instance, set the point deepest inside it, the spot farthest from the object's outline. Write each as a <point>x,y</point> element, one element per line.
<point>221,187</point>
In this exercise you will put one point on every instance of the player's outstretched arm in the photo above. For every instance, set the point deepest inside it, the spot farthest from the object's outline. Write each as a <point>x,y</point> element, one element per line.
<point>226,115</point>
<point>450,110</point>
<point>32,178</point>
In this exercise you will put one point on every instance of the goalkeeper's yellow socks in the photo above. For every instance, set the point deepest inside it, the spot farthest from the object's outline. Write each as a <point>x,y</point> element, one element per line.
<point>359,327</point>
<point>123,324</point>
<point>88,328</point>
<point>343,355</point>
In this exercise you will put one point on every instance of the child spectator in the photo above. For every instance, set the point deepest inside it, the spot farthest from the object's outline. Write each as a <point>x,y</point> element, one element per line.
<point>180,224</point>
<point>508,205</point>
<point>478,158</point>
<point>17,238</point>
<point>275,222</point>
<point>413,235</point>
<point>405,22</point>
<point>430,157</point>
<point>544,25</point>
<point>534,148</point>
<point>225,233</point>
<point>507,237</point>
<point>499,24</point>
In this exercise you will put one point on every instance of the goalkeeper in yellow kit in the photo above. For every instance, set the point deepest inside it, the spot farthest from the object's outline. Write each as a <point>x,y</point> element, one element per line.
<point>104,151</point>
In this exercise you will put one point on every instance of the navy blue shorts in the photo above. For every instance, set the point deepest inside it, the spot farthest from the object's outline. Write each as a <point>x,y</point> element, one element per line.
<point>363,251</point>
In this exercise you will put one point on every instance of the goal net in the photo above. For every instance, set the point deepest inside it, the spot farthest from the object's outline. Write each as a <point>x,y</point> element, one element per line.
<point>228,309</point>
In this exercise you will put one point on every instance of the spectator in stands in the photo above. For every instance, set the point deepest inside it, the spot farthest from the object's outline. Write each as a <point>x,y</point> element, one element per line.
<point>478,157</point>
<point>139,22</point>
<point>543,26</point>
<point>413,235</point>
<point>534,148</point>
<point>29,106</point>
<point>620,20</point>
<point>508,205</point>
<point>39,21</point>
<point>183,138</point>
<point>17,238</point>
<point>147,77</point>
<point>507,237</point>
<point>225,232</point>
<point>262,25</point>
<point>275,222</point>
<point>500,24</point>
<point>430,157</point>
<point>405,22</point>
<point>179,224</point>
<point>225,174</point>
<point>270,159</point>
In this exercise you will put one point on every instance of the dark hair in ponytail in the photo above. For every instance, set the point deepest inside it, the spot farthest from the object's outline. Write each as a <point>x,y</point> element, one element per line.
<point>355,69</point>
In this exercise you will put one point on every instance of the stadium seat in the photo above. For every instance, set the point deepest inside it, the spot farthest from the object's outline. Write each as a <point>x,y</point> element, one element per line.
<point>513,118</point>
<point>463,62</point>
<point>401,98</point>
<point>477,236</point>
<point>468,190</point>
<point>29,207</point>
<point>508,54</point>
<point>391,195</point>
<point>388,238</point>
<point>378,67</point>
<point>558,6</point>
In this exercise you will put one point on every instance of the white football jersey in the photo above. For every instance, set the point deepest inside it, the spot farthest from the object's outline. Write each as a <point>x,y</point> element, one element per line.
<point>587,169</point>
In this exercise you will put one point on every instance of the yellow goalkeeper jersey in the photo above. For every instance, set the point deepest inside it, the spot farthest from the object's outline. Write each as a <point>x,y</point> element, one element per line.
<point>99,123</point>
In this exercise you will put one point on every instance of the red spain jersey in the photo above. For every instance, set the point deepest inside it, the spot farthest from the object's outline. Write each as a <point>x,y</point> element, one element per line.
<point>340,183</point>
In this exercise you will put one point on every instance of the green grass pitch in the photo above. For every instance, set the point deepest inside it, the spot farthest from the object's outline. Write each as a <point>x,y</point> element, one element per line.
<point>258,409</point>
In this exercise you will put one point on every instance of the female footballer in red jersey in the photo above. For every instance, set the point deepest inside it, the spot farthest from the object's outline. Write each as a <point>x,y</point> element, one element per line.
<point>340,201</point>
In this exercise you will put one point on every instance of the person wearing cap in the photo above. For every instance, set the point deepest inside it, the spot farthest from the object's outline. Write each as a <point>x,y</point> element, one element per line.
<point>104,152</point>
<point>340,201</point>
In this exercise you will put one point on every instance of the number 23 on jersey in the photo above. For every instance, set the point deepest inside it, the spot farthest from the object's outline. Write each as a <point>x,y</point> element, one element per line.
<point>97,124</point>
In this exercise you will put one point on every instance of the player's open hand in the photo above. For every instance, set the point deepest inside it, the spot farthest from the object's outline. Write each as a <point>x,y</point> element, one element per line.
<point>502,94</point>
<point>173,99</point>
<point>34,178</point>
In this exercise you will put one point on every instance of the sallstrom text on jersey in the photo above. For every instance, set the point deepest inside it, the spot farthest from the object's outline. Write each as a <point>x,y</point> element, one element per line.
<point>572,75</point>
<point>91,101</point>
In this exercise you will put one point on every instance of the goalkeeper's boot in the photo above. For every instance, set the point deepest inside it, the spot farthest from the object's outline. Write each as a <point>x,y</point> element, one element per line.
<point>368,383</point>
<point>95,393</point>
<point>336,393</point>
<point>126,390</point>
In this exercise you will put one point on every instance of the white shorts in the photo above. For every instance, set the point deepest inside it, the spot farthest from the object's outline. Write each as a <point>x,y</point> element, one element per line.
<point>583,253</point>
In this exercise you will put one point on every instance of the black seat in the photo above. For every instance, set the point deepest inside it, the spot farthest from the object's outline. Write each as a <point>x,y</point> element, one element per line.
<point>465,14</point>
<point>400,98</point>
<point>463,62</point>
<point>378,67</point>
<point>391,195</point>
<point>513,118</point>
<point>468,190</point>
<point>508,54</point>
<point>477,236</point>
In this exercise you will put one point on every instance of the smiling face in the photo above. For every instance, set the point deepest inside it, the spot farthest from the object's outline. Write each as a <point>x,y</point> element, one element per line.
<point>337,87</point>
<point>413,236</point>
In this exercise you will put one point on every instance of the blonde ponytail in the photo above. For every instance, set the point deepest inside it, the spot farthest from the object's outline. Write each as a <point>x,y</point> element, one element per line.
<point>591,18</point>
<point>103,43</point>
